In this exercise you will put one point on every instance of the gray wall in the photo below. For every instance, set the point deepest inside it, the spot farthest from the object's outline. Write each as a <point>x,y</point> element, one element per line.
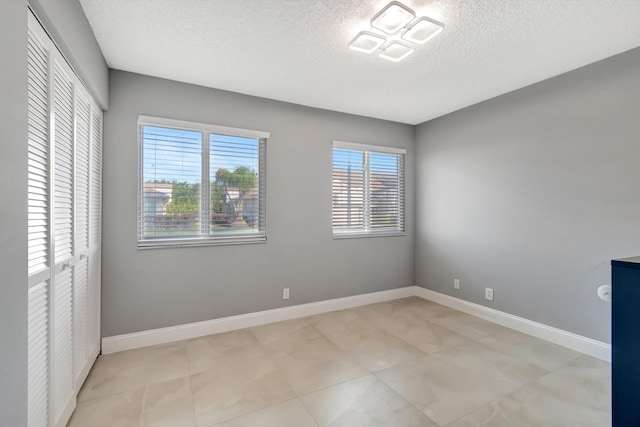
<point>163,287</point>
<point>13,215</point>
<point>533,193</point>
<point>68,26</point>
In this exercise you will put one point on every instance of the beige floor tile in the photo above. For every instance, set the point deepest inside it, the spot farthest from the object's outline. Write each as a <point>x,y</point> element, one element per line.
<point>591,363</point>
<point>327,405</point>
<point>216,350</point>
<point>237,388</point>
<point>373,347</point>
<point>310,361</point>
<point>129,370</point>
<point>287,414</point>
<point>477,374</point>
<point>421,307</point>
<point>335,321</point>
<point>540,353</point>
<point>379,309</point>
<point>376,314</point>
<point>467,325</point>
<point>575,395</point>
<point>365,401</point>
<point>419,332</point>
<point>476,356</point>
<point>276,331</point>
<point>166,404</point>
<point>443,391</point>
<point>590,377</point>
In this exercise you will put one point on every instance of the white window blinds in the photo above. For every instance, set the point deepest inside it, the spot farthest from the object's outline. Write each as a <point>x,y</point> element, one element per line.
<point>368,190</point>
<point>172,173</point>
<point>200,184</point>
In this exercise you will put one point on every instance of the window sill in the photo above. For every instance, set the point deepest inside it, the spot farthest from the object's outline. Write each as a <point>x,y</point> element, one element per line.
<point>188,243</point>
<point>358,235</point>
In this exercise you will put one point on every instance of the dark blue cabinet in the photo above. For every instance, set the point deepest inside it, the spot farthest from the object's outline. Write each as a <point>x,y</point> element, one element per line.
<point>625,342</point>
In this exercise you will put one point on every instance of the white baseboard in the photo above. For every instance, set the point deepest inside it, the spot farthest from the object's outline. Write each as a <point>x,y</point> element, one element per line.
<point>567,339</point>
<point>570,340</point>
<point>199,329</point>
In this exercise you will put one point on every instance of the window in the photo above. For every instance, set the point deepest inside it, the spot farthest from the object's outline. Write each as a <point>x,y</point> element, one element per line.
<point>200,184</point>
<point>368,190</point>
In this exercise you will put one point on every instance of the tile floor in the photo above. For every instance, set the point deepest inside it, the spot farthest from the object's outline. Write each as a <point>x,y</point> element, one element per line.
<point>402,363</point>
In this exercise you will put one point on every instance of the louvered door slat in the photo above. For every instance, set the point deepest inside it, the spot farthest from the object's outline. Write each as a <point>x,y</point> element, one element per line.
<point>38,355</point>
<point>63,353</point>
<point>63,146</point>
<point>96,177</point>
<point>38,160</point>
<point>81,279</point>
<point>83,123</point>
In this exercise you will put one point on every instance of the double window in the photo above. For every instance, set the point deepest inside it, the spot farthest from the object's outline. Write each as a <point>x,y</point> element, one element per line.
<point>200,184</point>
<point>368,190</point>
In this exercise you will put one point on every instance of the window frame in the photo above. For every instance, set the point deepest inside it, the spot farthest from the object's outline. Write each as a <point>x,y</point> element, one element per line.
<point>206,130</point>
<point>367,149</point>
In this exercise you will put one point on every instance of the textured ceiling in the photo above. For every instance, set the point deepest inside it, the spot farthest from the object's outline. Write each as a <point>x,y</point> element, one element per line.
<point>296,50</point>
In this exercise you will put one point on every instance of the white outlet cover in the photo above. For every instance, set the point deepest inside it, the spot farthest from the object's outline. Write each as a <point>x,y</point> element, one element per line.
<point>488,294</point>
<point>456,284</point>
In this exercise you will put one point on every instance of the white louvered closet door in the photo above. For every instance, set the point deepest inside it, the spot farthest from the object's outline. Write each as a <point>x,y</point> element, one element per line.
<point>81,237</point>
<point>63,191</point>
<point>38,228</point>
<point>64,202</point>
<point>95,234</point>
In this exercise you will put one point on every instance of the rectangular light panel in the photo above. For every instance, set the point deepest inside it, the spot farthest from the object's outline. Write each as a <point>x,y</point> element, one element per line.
<point>392,18</point>
<point>423,30</point>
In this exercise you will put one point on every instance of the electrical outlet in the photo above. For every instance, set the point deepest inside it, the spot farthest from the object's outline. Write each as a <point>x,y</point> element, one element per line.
<point>456,284</point>
<point>488,294</point>
<point>285,293</point>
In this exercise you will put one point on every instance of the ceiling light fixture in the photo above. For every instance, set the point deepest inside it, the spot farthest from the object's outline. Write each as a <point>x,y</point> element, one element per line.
<point>367,42</point>
<point>396,51</point>
<point>392,18</point>
<point>395,32</point>
<point>423,30</point>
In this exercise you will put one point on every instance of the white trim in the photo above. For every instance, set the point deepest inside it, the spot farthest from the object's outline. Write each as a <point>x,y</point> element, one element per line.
<point>215,326</point>
<point>557,336</point>
<point>204,241</point>
<point>370,233</point>
<point>368,147</point>
<point>204,127</point>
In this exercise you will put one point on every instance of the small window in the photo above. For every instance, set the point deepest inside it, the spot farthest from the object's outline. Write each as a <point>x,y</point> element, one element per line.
<point>200,184</point>
<point>368,190</point>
